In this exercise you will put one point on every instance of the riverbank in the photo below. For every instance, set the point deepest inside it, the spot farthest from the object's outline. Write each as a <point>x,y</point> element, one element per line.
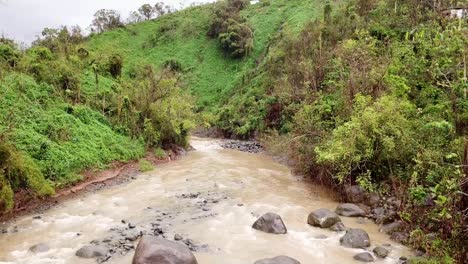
<point>93,180</point>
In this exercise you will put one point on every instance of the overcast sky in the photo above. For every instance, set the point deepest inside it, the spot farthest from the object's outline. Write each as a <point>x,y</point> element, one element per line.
<point>23,20</point>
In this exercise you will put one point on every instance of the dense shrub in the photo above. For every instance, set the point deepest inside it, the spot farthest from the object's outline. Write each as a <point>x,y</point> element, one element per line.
<point>232,31</point>
<point>9,55</point>
<point>166,110</point>
<point>18,171</point>
<point>237,40</point>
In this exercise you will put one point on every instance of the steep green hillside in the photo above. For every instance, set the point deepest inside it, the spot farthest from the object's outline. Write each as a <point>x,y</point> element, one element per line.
<point>182,37</point>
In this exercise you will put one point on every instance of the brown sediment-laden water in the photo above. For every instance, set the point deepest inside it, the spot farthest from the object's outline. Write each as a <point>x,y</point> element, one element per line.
<point>208,200</point>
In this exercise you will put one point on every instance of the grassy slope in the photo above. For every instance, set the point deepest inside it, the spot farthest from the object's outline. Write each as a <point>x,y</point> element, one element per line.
<point>209,73</point>
<point>62,139</point>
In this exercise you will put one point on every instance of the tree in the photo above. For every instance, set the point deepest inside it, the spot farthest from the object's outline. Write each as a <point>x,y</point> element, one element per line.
<point>106,19</point>
<point>147,11</point>
<point>134,17</point>
<point>160,9</point>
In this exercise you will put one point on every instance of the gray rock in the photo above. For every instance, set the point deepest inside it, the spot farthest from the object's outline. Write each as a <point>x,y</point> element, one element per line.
<point>373,200</point>
<point>178,237</point>
<point>131,235</point>
<point>323,218</point>
<point>38,248</point>
<point>92,251</point>
<point>338,227</point>
<point>392,227</point>
<point>350,210</point>
<point>364,257</point>
<point>278,260</point>
<point>386,217</point>
<point>399,237</point>
<point>381,252</point>
<point>159,250</point>
<point>355,238</point>
<point>270,223</point>
<point>355,194</point>
<point>403,260</point>
<point>320,237</point>
<point>365,208</point>
<point>378,211</point>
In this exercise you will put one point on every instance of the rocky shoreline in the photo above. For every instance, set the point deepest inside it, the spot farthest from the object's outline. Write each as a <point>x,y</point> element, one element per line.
<point>121,240</point>
<point>244,146</point>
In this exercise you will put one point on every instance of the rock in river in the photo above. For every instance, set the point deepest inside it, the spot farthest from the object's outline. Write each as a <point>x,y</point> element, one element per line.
<point>278,260</point>
<point>159,250</point>
<point>323,218</point>
<point>392,227</point>
<point>355,238</point>
<point>364,257</point>
<point>38,248</point>
<point>270,223</point>
<point>381,252</point>
<point>92,251</point>
<point>350,210</point>
<point>355,194</point>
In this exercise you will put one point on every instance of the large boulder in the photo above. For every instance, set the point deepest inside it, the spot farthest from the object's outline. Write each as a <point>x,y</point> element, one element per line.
<point>355,238</point>
<point>278,260</point>
<point>161,251</point>
<point>270,223</point>
<point>92,251</point>
<point>355,194</point>
<point>364,257</point>
<point>323,218</point>
<point>349,209</point>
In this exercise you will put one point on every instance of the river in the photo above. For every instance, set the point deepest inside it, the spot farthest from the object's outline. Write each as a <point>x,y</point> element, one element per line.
<point>211,196</point>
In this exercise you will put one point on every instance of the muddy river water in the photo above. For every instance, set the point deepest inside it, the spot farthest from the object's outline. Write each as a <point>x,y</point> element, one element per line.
<point>211,196</point>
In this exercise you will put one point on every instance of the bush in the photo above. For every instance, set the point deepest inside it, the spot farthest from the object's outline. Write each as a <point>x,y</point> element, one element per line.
<point>9,55</point>
<point>115,65</point>
<point>378,140</point>
<point>237,41</point>
<point>159,153</point>
<point>233,33</point>
<point>18,171</point>
<point>145,165</point>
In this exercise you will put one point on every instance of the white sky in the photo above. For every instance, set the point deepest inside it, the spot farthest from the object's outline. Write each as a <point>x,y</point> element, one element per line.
<point>23,20</point>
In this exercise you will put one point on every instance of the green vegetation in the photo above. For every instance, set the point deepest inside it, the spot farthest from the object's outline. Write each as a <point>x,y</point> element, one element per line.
<point>181,37</point>
<point>368,92</point>
<point>160,153</point>
<point>231,29</point>
<point>372,93</point>
<point>145,165</point>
